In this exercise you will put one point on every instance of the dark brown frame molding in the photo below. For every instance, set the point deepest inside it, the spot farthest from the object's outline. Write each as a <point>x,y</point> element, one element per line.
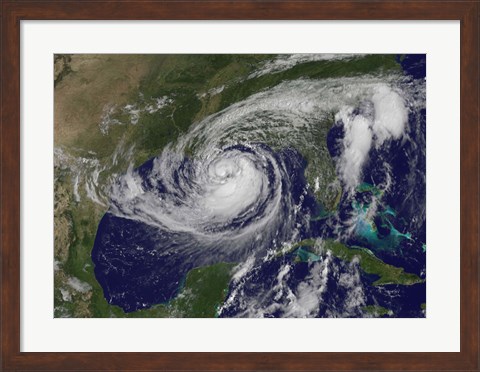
<point>12,12</point>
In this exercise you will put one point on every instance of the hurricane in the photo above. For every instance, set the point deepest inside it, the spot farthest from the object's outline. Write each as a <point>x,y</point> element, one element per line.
<point>247,183</point>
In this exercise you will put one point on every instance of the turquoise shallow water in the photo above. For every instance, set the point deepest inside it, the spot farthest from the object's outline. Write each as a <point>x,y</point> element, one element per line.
<point>367,229</point>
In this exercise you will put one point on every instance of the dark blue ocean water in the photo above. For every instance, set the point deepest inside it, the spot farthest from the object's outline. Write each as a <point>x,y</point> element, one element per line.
<point>139,265</point>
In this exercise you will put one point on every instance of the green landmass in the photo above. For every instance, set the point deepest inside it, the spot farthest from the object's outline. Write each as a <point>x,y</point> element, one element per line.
<point>377,311</point>
<point>204,291</point>
<point>307,244</point>
<point>371,64</point>
<point>368,262</point>
<point>367,187</point>
<point>423,306</point>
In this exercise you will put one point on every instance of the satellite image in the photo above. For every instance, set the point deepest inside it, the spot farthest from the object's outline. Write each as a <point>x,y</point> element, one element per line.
<point>240,186</point>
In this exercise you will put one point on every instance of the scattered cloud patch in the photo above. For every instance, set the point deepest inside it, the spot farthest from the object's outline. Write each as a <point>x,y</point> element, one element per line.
<point>78,285</point>
<point>106,120</point>
<point>133,110</point>
<point>287,61</point>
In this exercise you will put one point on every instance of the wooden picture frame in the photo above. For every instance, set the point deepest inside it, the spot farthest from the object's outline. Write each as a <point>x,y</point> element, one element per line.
<point>12,12</point>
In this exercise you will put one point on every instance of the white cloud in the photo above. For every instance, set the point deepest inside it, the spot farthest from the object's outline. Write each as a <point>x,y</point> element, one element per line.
<point>284,62</point>
<point>78,285</point>
<point>357,143</point>
<point>390,115</point>
<point>372,126</point>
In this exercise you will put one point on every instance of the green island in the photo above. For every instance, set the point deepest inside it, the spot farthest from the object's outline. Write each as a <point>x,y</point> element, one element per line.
<point>377,311</point>
<point>368,262</point>
<point>367,187</point>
